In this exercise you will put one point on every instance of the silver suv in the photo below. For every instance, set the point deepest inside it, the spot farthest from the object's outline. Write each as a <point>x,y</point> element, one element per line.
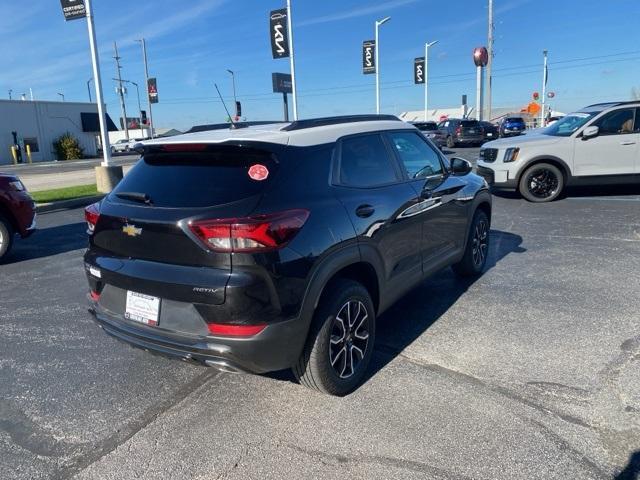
<point>597,145</point>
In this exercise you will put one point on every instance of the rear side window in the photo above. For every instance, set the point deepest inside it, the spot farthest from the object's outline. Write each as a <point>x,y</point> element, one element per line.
<point>199,179</point>
<point>365,162</point>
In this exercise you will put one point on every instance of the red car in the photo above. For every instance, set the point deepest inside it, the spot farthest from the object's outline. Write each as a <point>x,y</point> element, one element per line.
<point>17,212</point>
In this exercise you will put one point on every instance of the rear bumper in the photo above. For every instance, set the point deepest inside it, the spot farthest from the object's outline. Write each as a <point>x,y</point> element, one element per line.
<point>467,140</point>
<point>277,347</point>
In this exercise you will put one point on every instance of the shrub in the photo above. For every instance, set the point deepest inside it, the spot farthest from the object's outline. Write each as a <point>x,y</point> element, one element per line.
<point>68,147</point>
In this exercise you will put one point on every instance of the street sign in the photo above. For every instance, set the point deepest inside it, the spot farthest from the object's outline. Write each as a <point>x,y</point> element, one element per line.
<point>418,70</point>
<point>152,88</point>
<point>238,110</point>
<point>73,9</point>
<point>368,57</point>
<point>279,33</point>
<point>281,83</point>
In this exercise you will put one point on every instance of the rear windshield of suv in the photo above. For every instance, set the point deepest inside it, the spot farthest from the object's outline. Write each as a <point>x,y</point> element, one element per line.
<point>469,123</point>
<point>514,120</point>
<point>426,127</point>
<point>198,179</point>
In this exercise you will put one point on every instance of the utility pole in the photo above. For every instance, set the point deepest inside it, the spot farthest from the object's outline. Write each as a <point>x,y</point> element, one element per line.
<point>378,23</point>
<point>123,107</point>
<point>490,61</point>
<point>146,79</point>
<point>292,62</point>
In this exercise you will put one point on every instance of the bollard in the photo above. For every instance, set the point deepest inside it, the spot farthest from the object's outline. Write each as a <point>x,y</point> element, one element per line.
<point>28,149</point>
<point>14,154</point>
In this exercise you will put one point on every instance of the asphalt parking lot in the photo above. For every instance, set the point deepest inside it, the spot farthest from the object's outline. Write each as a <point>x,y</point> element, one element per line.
<point>530,371</point>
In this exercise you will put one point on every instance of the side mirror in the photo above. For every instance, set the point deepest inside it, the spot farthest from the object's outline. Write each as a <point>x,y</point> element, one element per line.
<point>590,132</point>
<point>460,167</point>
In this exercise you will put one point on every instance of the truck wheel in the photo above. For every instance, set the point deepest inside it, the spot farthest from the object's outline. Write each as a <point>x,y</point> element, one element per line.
<point>340,343</point>
<point>6,237</point>
<point>542,182</point>
<point>477,250</point>
<point>450,142</point>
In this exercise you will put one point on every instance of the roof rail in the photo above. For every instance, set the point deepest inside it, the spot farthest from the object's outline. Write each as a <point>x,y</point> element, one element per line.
<point>227,126</point>
<point>613,104</point>
<point>321,122</point>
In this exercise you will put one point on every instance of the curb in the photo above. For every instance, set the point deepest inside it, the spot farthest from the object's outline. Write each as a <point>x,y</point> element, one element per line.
<point>67,204</point>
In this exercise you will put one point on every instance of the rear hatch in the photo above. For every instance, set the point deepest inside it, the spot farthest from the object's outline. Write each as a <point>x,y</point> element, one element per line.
<point>147,215</point>
<point>470,128</point>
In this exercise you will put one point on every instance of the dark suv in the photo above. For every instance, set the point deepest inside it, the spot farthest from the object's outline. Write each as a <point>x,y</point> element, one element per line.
<point>277,246</point>
<point>511,126</point>
<point>461,132</point>
<point>17,212</point>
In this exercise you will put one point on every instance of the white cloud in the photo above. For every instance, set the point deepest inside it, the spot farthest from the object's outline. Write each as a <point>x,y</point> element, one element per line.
<point>358,12</point>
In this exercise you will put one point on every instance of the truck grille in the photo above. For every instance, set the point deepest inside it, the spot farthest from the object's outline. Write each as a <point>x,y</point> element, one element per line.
<point>489,155</point>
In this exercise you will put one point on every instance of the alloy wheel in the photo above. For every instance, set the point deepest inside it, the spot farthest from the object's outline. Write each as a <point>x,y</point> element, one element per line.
<point>542,183</point>
<point>480,243</point>
<point>349,338</point>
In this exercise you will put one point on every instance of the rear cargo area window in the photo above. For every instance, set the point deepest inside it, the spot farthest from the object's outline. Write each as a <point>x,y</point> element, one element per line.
<point>198,179</point>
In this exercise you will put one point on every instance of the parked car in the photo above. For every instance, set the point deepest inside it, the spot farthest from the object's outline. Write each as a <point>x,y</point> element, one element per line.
<point>511,126</point>
<point>124,145</point>
<point>491,131</point>
<point>17,212</point>
<point>277,246</point>
<point>597,145</point>
<point>430,130</point>
<point>461,132</point>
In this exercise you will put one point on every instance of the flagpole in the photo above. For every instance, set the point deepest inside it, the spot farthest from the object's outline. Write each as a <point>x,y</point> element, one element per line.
<point>545,75</point>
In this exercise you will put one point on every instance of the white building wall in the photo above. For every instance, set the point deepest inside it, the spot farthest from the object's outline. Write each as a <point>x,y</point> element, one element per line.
<point>45,121</point>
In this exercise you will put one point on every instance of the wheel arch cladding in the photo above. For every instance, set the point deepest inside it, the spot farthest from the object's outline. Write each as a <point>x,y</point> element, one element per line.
<point>486,208</point>
<point>361,272</point>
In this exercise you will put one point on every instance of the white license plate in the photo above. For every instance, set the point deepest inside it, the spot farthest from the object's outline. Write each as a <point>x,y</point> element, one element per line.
<point>142,308</point>
<point>489,134</point>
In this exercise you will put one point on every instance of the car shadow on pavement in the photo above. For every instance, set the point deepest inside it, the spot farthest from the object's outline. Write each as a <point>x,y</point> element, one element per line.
<point>411,316</point>
<point>632,470</point>
<point>577,192</point>
<point>47,242</point>
<point>407,320</point>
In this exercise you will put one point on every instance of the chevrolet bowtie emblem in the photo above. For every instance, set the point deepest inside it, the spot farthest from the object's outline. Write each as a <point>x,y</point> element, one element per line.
<point>132,230</point>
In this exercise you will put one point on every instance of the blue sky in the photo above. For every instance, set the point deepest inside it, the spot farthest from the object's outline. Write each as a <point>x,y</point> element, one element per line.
<point>593,46</point>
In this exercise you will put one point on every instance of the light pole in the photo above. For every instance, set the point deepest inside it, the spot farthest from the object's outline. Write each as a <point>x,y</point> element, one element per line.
<point>89,88</point>
<point>426,76</point>
<point>233,79</point>
<point>146,79</point>
<point>490,61</point>
<point>378,23</point>
<point>544,87</point>
<point>62,95</point>
<point>292,62</point>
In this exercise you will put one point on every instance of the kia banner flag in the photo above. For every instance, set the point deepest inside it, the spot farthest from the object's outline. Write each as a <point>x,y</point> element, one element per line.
<point>279,33</point>
<point>369,57</point>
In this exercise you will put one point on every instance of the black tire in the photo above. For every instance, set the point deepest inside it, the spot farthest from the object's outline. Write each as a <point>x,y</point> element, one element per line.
<point>450,142</point>
<point>542,182</point>
<point>477,249</point>
<point>6,237</point>
<point>329,342</point>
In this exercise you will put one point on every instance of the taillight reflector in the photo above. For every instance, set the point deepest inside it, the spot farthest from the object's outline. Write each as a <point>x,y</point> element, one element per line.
<point>95,296</point>
<point>91,215</point>
<point>235,330</point>
<point>259,233</point>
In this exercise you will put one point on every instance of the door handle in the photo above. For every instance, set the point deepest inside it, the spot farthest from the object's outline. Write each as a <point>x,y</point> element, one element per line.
<point>627,143</point>
<point>364,211</point>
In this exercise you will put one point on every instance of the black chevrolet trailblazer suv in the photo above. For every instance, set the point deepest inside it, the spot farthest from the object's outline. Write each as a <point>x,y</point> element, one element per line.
<point>276,246</point>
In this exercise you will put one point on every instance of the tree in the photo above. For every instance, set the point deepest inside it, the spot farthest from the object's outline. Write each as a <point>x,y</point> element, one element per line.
<point>68,147</point>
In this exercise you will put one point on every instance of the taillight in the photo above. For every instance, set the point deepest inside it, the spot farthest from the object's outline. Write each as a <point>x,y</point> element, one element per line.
<point>258,233</point>
<point>458,130</point>
<point>91,215</point>
<point>235,330</point>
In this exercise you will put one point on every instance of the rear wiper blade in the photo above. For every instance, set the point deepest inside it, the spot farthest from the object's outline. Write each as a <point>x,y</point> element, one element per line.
<point>136,197</point>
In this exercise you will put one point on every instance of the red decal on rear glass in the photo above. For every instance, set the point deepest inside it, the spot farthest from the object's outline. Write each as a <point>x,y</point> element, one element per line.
<point>258,172</point>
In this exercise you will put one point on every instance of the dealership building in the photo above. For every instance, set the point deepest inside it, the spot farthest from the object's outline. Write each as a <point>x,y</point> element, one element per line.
<point>39,124</point>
